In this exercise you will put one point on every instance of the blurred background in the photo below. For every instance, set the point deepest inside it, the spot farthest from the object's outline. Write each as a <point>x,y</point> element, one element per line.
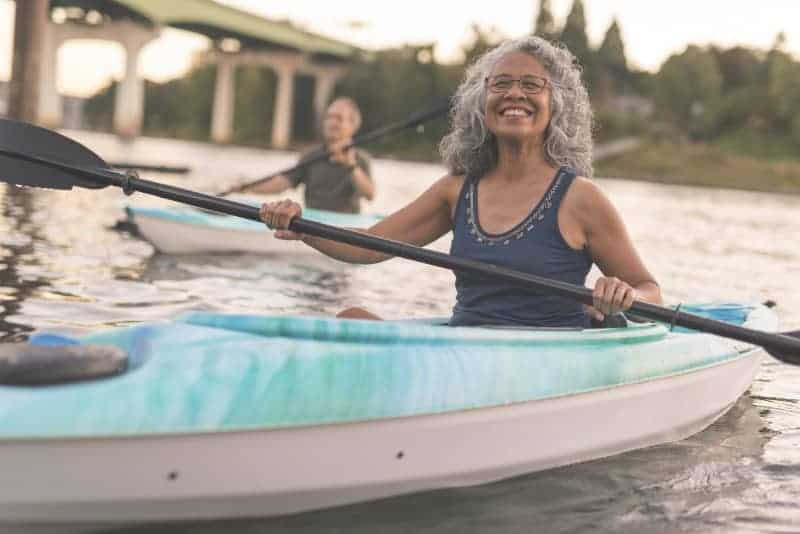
<point>685,92</point>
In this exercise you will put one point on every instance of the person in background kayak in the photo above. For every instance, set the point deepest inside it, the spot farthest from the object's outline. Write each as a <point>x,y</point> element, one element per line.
<point>338,183</point>
<point>518,194</point>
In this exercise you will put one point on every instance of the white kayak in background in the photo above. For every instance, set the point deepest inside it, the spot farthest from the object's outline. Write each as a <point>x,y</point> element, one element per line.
<point>186,230</point>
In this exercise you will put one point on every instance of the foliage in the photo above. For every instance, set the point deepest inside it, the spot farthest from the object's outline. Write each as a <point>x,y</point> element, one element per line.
<point>740,67</point>
<point>574,33</point>
<point>99,109</point>
<point>395,84</point>
<point>783,83</point>
<point>181,108</point>
<point>687,85</point>
<point>255,89</point>
<point>611,54</point>
<point>482,41</point>
<point>702,164</point>
<point>545,25</point>
<point>611,125</point>
<point>611,70</point>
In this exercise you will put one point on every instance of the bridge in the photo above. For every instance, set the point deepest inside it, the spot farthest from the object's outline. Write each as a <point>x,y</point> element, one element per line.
<point>238,37</point>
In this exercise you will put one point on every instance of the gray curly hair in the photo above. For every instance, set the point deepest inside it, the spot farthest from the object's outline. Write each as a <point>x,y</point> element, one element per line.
<point>470,148</point>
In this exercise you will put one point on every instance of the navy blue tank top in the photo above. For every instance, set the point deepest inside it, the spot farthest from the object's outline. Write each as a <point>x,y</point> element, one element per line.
<point>534,246</point>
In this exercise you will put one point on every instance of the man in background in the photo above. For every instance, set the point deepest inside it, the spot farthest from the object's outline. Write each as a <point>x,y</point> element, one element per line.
<point>339,182</point>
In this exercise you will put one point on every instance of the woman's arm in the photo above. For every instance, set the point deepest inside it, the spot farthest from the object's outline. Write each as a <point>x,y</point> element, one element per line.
<point>604,233</point>
<point>422,221</point>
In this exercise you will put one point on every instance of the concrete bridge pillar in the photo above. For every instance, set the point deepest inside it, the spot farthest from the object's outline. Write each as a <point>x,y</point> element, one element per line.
<point>129,99</point>
<point>129,102</point>
<point>50,106</point>
<point>282,117</point>
<point>222,113</point>
<point>325,83</point>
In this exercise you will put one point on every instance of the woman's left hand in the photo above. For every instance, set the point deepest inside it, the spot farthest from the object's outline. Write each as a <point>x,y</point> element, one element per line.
<point>611,296</point>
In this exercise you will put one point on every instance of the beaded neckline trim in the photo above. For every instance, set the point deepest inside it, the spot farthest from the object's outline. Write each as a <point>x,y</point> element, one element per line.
<point>518,232</point>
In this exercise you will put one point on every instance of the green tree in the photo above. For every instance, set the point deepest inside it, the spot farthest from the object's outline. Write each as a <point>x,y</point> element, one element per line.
<point>783,84</point>
<point>480,42</point>
<point>545,25</point>
<point>181,108</point>
<point>686,86</point>
<point>740,67</point>
<point>254,97</point>
<point>99,109</point>
<point>574,33</point>
<point>395,83</point>
<point>796,130</point>
<point>574,37</point>
<point>611,54</point>
<point>612,74</point>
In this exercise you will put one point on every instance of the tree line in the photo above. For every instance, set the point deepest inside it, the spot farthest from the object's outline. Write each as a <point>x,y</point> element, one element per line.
<point>741,98</point>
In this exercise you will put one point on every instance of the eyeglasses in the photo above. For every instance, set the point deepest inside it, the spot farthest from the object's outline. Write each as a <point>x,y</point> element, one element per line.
<point>529,84</point>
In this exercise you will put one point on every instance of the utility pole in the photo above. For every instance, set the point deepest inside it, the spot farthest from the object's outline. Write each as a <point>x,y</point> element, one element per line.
<point>30,18</point>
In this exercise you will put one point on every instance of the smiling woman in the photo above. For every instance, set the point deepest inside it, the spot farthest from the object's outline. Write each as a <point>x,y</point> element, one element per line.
<point>518,195</point>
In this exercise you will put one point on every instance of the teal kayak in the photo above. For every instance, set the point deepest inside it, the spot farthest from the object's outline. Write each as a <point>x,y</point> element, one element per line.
<point>224,415</point>
<point>187,230</point>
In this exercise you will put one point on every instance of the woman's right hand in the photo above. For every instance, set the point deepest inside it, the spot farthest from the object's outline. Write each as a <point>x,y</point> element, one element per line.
<point>278,215</point>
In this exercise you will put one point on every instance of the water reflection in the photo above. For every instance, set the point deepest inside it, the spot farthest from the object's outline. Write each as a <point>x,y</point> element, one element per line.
<point>20,235</point>
<point>253,283</point>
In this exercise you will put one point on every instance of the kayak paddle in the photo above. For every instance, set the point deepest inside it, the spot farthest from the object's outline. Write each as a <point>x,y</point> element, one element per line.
<point>168,169</point>
<point>321,153</point>
<point>37,157</point>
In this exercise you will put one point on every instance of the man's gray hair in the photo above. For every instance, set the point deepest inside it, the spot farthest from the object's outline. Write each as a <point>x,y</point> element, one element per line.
<point>470,148</point>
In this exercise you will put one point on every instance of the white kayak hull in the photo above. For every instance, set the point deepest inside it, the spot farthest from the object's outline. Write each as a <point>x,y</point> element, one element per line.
<point>174,237</point>
<point>184,230</point>
<point>85,484</point>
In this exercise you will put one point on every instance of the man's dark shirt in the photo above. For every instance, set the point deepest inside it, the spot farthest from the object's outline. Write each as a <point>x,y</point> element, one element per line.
<point>329,185</point>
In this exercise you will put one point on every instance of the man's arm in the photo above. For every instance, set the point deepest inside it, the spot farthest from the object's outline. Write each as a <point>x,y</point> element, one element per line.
<point>360,173</point>
<point>273,186</point>
<point>363,182</point>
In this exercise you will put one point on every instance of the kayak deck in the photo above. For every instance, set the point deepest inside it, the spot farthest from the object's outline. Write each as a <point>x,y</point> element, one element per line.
<point>242,416</point>
<point>212,372</point>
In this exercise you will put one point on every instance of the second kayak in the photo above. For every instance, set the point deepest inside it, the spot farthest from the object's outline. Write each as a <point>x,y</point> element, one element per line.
<point>185,230</point>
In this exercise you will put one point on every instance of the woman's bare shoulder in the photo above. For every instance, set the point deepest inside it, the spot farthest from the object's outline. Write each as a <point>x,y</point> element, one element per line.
<point>586,195</point>
<point>449,186</point>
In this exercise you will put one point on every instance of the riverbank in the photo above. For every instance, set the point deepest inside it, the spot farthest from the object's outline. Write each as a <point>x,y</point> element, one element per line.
<point>701,165</point>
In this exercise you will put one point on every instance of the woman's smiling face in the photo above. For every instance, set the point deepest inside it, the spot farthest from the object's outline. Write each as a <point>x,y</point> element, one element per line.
<point>518,98</point>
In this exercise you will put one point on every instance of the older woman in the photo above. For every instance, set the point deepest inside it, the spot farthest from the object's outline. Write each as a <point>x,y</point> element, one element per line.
<point>518,194</point>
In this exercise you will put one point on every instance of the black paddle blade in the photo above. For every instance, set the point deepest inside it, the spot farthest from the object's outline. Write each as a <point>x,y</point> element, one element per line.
<point>27,139</point>
<point>786,356</point>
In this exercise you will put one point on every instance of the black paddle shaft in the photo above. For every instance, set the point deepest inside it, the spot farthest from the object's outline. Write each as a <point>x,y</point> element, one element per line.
<point>40,171</point>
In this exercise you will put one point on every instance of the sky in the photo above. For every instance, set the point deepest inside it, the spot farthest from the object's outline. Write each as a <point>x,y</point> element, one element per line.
<point>652,30</point>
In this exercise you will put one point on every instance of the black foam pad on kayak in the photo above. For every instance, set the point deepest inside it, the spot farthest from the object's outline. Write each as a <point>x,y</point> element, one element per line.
<point>611,321</point>
<point>22,364</point>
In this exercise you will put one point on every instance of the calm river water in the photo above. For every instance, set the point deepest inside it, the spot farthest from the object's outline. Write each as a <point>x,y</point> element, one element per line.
<point>63,268</point>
